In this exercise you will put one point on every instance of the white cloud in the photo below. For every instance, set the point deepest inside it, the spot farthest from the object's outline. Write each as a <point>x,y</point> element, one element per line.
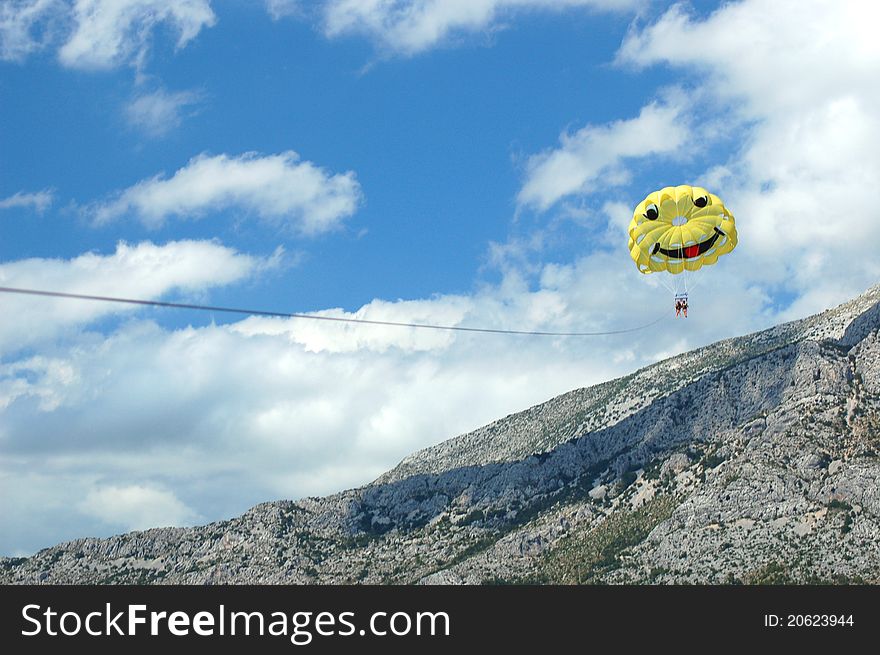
<point>39,201</point>
<point>281,188</point>
<point>136,507</point>
<point>820,50</point>
<point>159,112</point>
<point>104,34</point>
<point>802,78</point>
<point>318,336</point>
<point>592,158</point>
<point>144,270</point>
<point>228,416</point>
<point>279,9</point>
<point>109,33</point>
<point>26,26</point>
<point>97,34</point>
<point>412,26</point>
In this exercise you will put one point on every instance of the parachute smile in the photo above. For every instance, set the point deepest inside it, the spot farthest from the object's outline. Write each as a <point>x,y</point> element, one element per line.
<point>680,229</point>
<point>689,252</point>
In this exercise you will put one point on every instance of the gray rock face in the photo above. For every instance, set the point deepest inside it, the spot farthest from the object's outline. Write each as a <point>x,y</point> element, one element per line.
<point>674,465</point>
<point>755,459</point>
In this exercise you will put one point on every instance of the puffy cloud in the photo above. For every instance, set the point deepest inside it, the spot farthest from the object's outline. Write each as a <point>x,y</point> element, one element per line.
<point>104,34</point>
<point>281,188</point>
<point>593,157</point>
<point>135,507</point>
<point>279,9</point>
<point>26,26</point>
<point>318,336</point>
<point>39,201</point>
<point>109,33</point>
<point>412,26</point>
<point>774,56</point>
<point>144,270</point>
<point>97,34</point>
<point>158,112</point>
<point>228,416</point>
<point>801,79</point>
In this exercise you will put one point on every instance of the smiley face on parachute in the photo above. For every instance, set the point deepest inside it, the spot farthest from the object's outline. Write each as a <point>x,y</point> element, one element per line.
<point>680,228</point>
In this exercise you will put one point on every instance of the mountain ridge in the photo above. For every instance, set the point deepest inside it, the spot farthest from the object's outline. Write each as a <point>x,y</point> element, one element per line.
<point>777,482</point>
<point>812,327</point>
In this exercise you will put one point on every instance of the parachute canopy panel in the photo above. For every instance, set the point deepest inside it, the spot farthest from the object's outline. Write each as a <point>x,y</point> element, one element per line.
<point>680,228</point>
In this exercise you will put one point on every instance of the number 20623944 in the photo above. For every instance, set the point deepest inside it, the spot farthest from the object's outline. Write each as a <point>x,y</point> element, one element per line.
<point>808,620</point>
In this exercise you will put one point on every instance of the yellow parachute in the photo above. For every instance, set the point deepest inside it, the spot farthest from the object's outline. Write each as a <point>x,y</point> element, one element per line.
<point>681,228</point>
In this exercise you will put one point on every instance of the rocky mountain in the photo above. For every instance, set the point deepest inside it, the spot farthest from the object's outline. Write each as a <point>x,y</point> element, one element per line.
<point>753,460</point>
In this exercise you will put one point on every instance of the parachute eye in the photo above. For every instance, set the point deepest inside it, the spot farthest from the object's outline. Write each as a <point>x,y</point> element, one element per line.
<point>651,212</point>
<point>702,201</point>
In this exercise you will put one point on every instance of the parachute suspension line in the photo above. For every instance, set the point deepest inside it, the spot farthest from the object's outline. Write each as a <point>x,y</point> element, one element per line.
<point>686,274</point>
<point>315,317</point>
<point>694,282</point>
<point>684,268</point>
<point>658,224</point>
<point>669,287</point>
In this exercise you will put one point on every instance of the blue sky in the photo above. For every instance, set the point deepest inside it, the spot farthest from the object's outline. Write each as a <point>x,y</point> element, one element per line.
<point>463,163</point>
<point>437,142</point>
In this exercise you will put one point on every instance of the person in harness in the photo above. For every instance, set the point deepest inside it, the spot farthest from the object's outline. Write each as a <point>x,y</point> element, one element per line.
<point>681,305</point>
<point>676,231</point>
